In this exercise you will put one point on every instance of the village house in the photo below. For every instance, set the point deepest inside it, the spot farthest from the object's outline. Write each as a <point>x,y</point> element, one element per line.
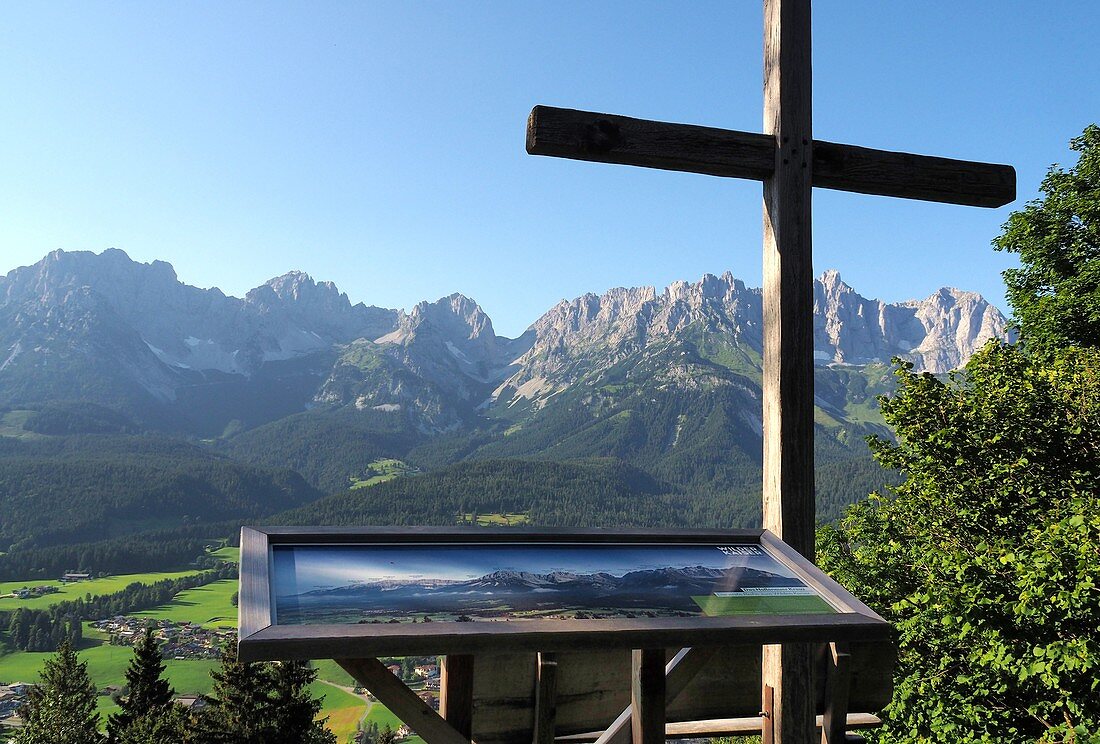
<point>190,702</point>
<point>180,641</point>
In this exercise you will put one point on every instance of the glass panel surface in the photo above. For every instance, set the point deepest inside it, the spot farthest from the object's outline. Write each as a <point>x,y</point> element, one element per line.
<point>503,582</point>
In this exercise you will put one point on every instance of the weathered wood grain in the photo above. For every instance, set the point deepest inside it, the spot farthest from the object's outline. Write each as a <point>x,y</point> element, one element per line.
<point>788,370</point>
<point>333,641</point>
<point>907,176</point>
<point>254,611</point>
<point>593,689</point>
<point>546,698</point>
<point>647,696</point>
<point>623,140</point>
<point>679,672</point>
<point>456,692</point>
<point>838,677</point>
<point>607,138</point>
<point>403,702</point>
<point>726,727</point>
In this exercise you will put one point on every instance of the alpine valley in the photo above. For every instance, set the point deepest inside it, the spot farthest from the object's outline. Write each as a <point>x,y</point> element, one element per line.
<point>134,404</point>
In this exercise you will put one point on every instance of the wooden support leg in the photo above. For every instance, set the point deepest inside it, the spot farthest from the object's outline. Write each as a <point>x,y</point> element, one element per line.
<point>456,692</point>
<point>837,684</point>
<point>679,672</point>
<point>789,670</point>
<point>647,696</point>
<point>546,703</point>
<point>403,702</point>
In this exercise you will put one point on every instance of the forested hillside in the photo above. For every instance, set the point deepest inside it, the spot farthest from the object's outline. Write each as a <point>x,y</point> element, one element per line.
<point>62,490</point>
<point>325,447</point>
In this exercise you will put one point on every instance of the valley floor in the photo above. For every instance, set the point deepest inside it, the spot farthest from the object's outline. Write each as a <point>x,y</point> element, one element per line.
<point>209,606</point>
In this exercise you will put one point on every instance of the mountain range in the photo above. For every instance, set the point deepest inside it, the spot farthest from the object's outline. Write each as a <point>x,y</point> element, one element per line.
<point>104,328</point>
<point>507,593</point>
<point>295,376</point>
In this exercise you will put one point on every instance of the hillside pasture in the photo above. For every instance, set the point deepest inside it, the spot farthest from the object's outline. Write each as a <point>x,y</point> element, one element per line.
<point>208,605</point>
<point>77,589</point>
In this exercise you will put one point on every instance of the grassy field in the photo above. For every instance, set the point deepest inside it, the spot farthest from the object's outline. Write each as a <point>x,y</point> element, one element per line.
<point>343,710</point>
<point>495,520</point>
<point>107,666</point>
<point>329,671</point>
<point>11,425</point>
<point>229,554</point>
<point>209,605</point>
<point>77,590</point>
<point>380,471</point>
<point>105,585</point>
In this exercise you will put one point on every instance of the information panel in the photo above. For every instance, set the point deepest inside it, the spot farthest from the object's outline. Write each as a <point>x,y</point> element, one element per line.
<point>498,581</point>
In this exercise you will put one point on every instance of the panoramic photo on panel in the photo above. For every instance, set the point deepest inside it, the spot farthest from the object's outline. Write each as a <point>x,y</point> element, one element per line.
<point>405,583</point>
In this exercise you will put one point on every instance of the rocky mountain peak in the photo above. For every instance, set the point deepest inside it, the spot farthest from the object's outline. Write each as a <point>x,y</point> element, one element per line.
<point>456,313</point>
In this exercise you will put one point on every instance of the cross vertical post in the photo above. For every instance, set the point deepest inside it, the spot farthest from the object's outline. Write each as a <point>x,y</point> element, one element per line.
<point>788,375</point>
<point>790,163</point>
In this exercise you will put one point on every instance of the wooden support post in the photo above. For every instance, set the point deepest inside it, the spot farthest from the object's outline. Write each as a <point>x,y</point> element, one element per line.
<point>546,698</point>
<point>679,672</point>
<point>403,702</point>
<point>837,685</point>
<point>456,692</point>
<point>647,696</point>
<point>788,506</point>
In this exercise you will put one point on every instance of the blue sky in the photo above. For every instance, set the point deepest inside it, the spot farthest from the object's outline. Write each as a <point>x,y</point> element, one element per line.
<point>380,144</point>
<point>304,569</point>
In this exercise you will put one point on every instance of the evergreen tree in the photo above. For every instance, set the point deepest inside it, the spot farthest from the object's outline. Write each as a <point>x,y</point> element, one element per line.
<point>166,724</point>
<point>62,708</point>
<point>294,710</point>
<point>239,706</point>
<point>148,688</point>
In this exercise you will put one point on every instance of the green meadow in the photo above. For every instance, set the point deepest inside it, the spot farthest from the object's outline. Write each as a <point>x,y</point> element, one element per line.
<point>495,520</point>
<point>380,471</point>
<point>107,666</point>
<point>209,605</point>
<point>77,590</point>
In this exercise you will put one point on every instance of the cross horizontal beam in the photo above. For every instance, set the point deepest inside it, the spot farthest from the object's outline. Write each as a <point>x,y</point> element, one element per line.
<point>607,138</point>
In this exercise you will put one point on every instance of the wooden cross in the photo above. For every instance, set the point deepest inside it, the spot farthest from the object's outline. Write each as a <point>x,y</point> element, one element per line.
<point>789,162</point>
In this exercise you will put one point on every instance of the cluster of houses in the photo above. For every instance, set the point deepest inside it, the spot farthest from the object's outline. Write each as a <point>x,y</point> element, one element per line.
<point>177,640</point>
<point>30,592</point>
<point>12,698</point>
<point>361,737</point>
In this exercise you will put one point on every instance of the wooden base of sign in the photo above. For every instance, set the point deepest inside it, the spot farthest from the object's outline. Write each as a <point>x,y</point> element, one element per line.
<point>654,685</point>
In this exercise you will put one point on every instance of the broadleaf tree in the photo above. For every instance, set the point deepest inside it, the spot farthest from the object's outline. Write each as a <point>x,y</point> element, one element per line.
<point>986,557</point>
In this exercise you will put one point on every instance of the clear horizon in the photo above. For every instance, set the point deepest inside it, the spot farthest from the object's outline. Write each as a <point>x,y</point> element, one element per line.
<point>510,321</point>
<point>380,146</point>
